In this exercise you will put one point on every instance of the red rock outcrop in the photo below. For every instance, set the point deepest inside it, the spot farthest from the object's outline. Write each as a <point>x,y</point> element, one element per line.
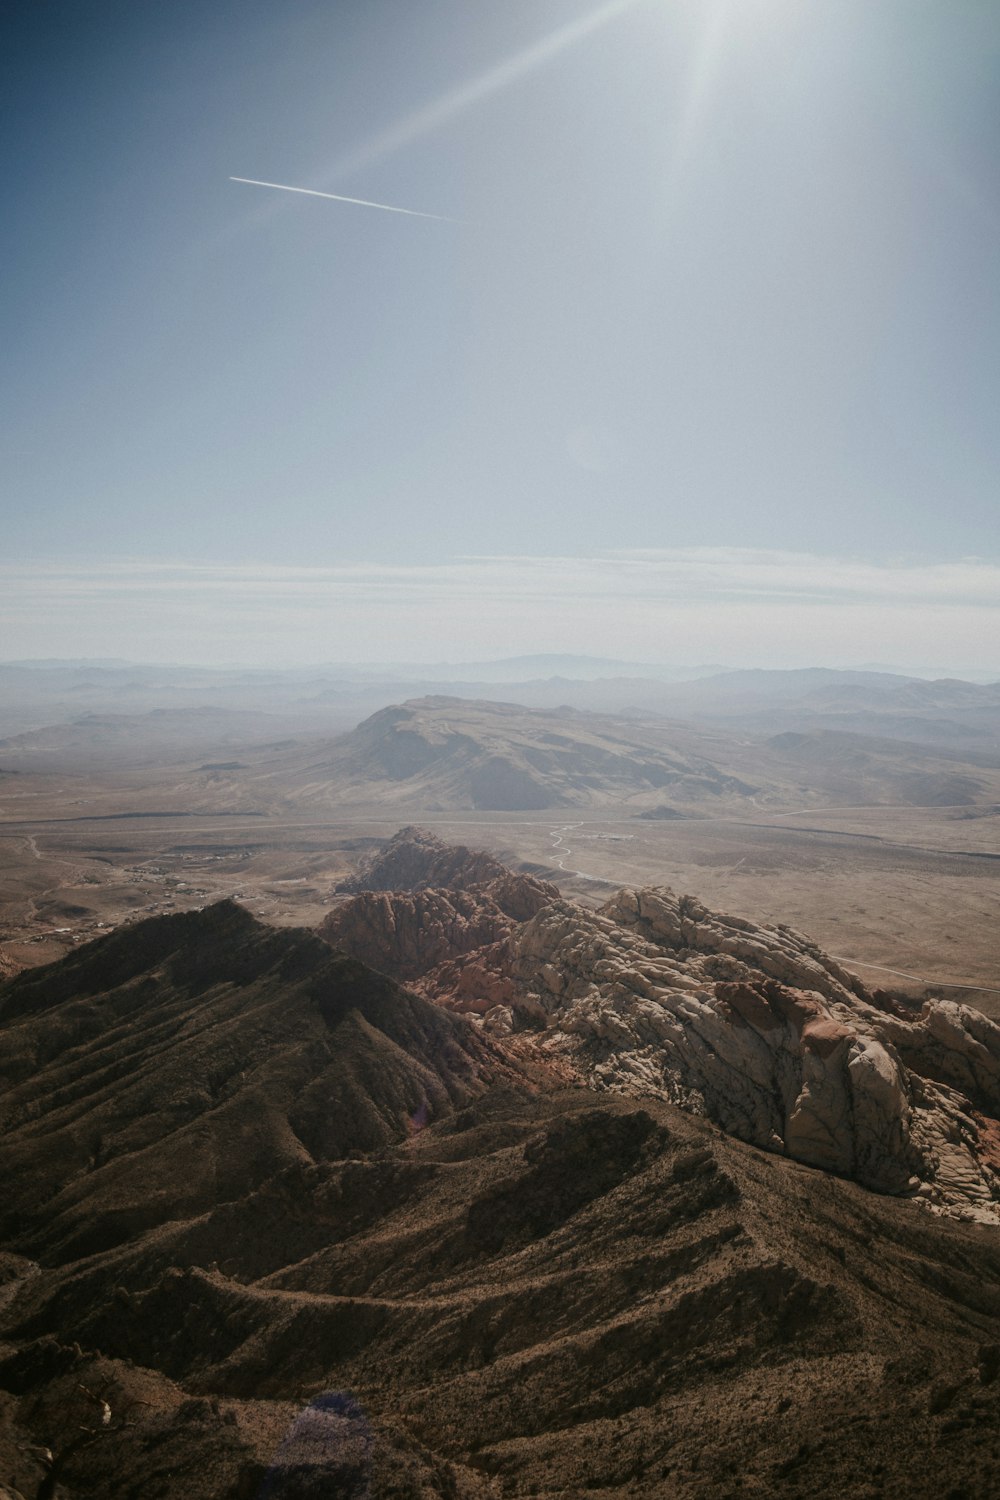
<point>477,983</point>
<point>750,1024</point>
<point>415,860</point>
<point>405,933</point>
<point>421,904</point>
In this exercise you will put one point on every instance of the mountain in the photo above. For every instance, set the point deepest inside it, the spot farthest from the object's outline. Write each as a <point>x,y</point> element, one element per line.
<point>864,769</point>
<point>102,741</point>
<point>750,1024</point>
<point>278,1228</point>
<point>415,860</point>
<point>180,1062</point>
<point>397,921</point>
<point>449,753</point>
<point>948,713</point>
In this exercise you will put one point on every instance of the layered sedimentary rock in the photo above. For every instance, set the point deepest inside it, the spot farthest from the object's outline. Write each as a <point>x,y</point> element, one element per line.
<point>414,860</point>
<point>750,1025</point>
<point>758,1029</point>
<point>422,903</point>
<point>406,933</point>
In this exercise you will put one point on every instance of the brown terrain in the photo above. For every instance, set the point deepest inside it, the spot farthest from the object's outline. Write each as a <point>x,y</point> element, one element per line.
<point>276,1227</point>
<point>754,1026</point>
<point>884,850</point>
<point>627,1191</point>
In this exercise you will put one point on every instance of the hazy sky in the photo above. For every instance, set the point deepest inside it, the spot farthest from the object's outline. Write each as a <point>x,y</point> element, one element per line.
<point>723,292</point>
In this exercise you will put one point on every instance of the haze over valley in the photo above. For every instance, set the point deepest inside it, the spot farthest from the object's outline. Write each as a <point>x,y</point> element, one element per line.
<point>878,843</point>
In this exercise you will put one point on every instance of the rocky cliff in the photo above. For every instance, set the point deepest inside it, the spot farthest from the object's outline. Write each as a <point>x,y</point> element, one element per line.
<point>422,903</point>
<point>756,1028</point>
<point>752,1026</point>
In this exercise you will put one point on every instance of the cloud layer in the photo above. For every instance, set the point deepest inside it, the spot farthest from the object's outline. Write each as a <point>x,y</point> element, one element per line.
<point>739,606</point>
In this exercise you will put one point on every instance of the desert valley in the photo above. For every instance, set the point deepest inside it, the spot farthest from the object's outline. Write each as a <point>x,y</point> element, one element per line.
<point>863,808</point>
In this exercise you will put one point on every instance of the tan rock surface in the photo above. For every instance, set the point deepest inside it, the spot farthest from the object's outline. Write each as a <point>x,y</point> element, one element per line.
<point>758,1029</point>
<point>749,1024</point>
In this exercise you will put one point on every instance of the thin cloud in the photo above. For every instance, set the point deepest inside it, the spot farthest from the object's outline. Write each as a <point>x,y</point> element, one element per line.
<point>740,606</point>
<point>389,208</point>
<point>676,575</point>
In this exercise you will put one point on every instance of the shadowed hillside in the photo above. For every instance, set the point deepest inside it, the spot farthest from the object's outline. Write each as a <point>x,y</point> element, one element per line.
<point>276,1227</point>
<point>180,1062</point>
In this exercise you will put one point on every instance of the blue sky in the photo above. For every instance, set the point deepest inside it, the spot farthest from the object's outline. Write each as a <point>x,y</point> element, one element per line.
<point>724,277</point>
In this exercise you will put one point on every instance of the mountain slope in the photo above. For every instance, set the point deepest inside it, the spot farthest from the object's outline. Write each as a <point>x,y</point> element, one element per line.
<point>502,757</point>
<point>180,1062</point>
<point>278,1228</point>
<point>539,1296</point>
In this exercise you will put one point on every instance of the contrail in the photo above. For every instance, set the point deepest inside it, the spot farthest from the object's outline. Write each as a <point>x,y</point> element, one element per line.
<point>339,198</point>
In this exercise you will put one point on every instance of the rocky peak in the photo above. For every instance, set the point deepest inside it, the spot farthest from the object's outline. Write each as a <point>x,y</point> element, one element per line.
<point>750,1024</point>
<point>415,859</point>
<point>408,932</point>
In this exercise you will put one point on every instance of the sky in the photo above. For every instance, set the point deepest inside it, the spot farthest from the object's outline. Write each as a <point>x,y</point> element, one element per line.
<point>695,356</point>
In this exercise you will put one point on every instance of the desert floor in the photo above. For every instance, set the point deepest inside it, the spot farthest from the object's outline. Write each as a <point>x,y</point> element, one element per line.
<point>909,891</point>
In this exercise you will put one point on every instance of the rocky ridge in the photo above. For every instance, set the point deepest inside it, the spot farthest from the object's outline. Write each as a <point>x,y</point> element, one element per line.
<point>752,1026</point>
<point>421,903</point>
<point>275,1226</point>
<point>540,1294</point>
<point>180,1062</point>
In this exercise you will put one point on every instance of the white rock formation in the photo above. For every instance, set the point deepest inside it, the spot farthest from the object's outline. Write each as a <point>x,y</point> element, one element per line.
<point>755,1027</point>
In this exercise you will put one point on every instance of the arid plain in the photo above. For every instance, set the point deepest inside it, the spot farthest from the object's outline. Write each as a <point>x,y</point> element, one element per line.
<point>885,850</point>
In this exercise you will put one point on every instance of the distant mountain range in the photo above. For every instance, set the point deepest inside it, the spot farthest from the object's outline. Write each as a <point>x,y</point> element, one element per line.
<point>757,744</point>
<point>337,698</point>
<point>947,712</point>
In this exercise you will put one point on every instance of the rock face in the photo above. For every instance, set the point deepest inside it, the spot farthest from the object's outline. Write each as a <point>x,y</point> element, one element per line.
<point>422,903</point>
<point>759,1030</point>
<point>406,933</point>
<point>414,860</point>
<point>752,1026</point>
